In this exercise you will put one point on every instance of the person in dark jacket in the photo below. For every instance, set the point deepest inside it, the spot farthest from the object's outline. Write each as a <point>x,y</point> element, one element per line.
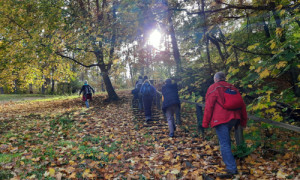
<point>223,119</point>
<point>171,103</point>
<point>148,92</point>
<point>86,91</point>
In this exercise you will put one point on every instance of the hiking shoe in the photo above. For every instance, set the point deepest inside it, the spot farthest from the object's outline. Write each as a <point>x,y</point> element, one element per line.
<point>171,135</point>
<point>227,174</point>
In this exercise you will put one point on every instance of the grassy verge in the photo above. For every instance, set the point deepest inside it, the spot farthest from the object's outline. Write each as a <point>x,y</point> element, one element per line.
<point>36,97</point>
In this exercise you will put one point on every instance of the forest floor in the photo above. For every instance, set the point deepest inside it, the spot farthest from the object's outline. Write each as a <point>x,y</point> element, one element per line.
<point>62,139</point>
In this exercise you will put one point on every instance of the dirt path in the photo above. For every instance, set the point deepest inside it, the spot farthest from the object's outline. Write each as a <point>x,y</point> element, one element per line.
<point>62,139</point>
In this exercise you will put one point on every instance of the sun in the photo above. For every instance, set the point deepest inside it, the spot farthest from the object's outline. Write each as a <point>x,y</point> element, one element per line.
<point>155,39</point>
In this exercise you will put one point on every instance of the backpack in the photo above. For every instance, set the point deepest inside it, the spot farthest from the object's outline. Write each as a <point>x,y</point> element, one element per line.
<point>232,99</point>
<point>147,90</point>
<point>87,90</point>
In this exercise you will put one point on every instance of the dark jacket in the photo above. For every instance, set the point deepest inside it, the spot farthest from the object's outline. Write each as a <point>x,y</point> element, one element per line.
<point>171,97</point>
<point>84,87</point>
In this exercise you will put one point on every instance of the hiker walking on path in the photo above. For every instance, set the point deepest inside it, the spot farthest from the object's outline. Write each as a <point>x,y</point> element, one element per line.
<point>148,92</point>
<point>137,88</point>
<point>86,91</point>
<point>171,103</point>
<point>224,109</point>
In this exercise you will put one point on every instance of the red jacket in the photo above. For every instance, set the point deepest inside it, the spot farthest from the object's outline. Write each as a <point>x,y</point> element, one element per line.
<point>214,113</point>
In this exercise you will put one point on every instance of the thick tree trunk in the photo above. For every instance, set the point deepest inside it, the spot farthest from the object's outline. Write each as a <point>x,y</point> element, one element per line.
<point>112,95</point>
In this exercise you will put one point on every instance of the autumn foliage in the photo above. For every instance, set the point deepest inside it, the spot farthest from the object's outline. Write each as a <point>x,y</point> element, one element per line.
<point>62,139</point>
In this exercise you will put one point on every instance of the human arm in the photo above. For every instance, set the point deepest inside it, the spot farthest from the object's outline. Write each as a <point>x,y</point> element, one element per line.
<point>209,108</point>
<point>92,89</point>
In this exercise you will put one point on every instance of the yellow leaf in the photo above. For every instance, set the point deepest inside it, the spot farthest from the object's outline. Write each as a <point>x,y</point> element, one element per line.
<point>279,31</point>
<point>257,59</point>
<point>258,69</point>
<point>282,12</point>
<point>167,172</point>
<point>175,171</point>
<point>279,7</point>
<point>115,61</point>
<point>281,64</point>
<point>249,85</point>
<point>51,172</point>
<point>264,74</point>
<point>72,176</point>
<point>242,64</point>
<point>86,173</point>
<point>273,44</point>
<point>252,67</point>
<point>252,46</point>
<point>281,175</point>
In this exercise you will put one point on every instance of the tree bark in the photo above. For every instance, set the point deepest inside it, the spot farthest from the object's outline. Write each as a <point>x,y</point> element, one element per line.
<point>216,43</point>
<point>266,28</point>
<point>176,52</point>
<point>1,90</point>
<point>206,38</point>
<point>278,21</point>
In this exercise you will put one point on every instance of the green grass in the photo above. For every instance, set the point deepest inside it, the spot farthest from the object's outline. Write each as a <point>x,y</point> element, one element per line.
<point>38,97</point>
<point>6,158</point>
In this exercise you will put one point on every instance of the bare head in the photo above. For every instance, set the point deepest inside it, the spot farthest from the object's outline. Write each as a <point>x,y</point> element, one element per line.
<point>219,76</point>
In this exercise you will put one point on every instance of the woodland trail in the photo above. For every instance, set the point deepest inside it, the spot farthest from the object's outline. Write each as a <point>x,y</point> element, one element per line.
<point>62,139</point>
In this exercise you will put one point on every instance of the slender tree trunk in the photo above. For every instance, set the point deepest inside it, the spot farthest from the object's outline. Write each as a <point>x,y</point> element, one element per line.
<point>176,52</point>
<point>266,28</point>
<point>219,50</point>
<point>1,90</point>
<point>205,37</point>
<point>278,21</point>
<point>52,86</point>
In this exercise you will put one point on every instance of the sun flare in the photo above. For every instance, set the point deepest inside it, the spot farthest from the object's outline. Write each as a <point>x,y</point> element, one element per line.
<point>155,38</point>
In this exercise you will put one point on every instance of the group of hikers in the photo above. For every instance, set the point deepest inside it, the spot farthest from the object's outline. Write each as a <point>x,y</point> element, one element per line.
<point>224,109</point>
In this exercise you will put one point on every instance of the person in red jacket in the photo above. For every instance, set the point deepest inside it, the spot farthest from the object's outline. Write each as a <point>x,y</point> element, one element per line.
<point>223,119</point>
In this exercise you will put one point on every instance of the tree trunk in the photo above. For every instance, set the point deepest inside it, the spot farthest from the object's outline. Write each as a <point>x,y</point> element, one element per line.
<point>278,21</point>
<point>176,52</point>
<point>112,95</point>
<point>216,43</point>
<point>266,28</point>
<point>1,90</point>
<point>30,89</point>
<point>206,38</point>
<point>52,86</point>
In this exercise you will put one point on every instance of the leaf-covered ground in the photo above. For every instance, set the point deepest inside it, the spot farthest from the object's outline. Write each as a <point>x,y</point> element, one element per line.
<point>62,139</point>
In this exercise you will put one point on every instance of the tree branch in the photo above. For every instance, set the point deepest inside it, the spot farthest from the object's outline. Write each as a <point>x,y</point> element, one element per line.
<point>74,60</point>
<point>243,50</point>
<point>13,21</point>
<point>229,6</point>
